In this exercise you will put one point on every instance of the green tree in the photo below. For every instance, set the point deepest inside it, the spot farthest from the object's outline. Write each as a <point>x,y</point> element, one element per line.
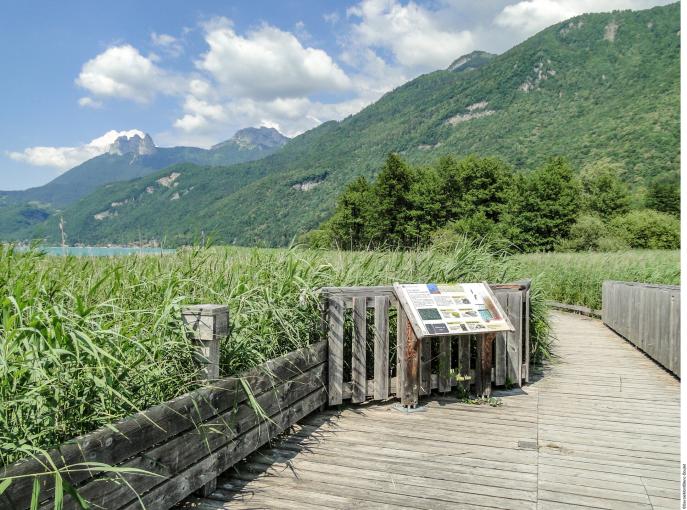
<point>349,227</point>
<point>604,193</point>
<point>392,218</point>
<point>543,206</point>
<point>663,194</point>
<point>426,214</point>
<point>474,187</point>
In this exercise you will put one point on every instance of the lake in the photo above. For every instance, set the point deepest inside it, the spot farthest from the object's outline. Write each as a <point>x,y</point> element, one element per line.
<point>102,251</point>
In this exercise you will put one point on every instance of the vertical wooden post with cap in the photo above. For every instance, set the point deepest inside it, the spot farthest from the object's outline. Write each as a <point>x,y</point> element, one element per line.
<point>207,325</point>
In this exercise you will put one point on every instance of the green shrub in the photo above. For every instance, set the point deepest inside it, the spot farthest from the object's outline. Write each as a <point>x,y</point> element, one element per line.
<point>647,229</point>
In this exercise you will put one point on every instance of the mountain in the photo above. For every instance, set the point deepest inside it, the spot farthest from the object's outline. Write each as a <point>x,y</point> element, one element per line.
<point>129,157</point>
<point>471,61</point>
<point>595,87</point>
<point>135,156</point>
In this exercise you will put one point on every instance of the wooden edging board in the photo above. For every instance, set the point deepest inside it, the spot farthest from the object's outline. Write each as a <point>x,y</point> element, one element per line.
<point>149,430</point>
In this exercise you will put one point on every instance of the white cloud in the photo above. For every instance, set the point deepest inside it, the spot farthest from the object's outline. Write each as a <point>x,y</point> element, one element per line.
<point>89,102</point>
<point>530,16</point>
<point>64,158</point>
<point>267,63</point>
<point>417,37</point>
<point>167,43</point>
<point>121,71</point>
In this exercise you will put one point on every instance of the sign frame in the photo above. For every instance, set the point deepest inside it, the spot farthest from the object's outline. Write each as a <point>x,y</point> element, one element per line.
<point>421,332</point>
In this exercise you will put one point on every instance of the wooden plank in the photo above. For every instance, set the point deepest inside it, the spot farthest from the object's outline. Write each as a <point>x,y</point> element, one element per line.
<point>425,366</point>
<point>526,337</point>
<point>401,329</point>
<point>130,436</point>
<point>500,352</point>
<point>642,314</point>
<point>393,383</point>
<point>410,368</point>
<point>381,354</point>
<point>514,339</point>
<point>464,361</point>
<point>358,350</point>
<point>444,364</point>
<point>335,342</point>
<point>167,495</point>
<point>165,461</point>
<point>485,345</point>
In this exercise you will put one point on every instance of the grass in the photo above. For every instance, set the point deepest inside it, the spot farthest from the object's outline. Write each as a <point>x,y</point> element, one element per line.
<point>576,278</point>
<point>85,341</point>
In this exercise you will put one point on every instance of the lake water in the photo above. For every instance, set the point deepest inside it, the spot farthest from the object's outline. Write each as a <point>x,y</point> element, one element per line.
<point>102,251</point>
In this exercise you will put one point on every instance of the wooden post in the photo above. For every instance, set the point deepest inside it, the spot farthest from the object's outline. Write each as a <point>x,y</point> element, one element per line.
<point>335,339</point>
<point>208,325</point>
<point>445,364</point>
<point>358,348</point>
<point>464,361</point>
<point>381,355</point>
<point>410,367</point>
<point>485,344</point>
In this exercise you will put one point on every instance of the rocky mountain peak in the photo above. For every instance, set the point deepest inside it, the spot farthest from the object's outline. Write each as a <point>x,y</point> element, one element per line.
<point>262,137</point>
<point>136,144</point>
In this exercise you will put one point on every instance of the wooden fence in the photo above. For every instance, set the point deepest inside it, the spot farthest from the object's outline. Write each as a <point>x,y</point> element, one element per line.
<point>183,444</point>
<point>363,338</point>
<point>648,316</point>
<point>167,452</point>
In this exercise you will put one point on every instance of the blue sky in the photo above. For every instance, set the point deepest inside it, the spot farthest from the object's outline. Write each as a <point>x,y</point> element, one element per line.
<point>192,73</point>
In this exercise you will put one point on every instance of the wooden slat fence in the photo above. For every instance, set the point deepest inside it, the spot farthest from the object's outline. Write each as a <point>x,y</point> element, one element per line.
<point>182,444</point>
<point>648,316</point>
<point>362,318</point>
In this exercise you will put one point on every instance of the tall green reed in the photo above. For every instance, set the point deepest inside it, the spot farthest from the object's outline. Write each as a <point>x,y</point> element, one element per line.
<point>86,341</point>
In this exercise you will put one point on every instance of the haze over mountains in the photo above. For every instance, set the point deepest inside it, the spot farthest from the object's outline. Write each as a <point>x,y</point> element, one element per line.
<point>595,87</point>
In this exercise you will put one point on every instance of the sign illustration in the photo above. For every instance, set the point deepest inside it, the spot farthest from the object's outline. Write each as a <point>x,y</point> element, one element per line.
<point>452,309</point>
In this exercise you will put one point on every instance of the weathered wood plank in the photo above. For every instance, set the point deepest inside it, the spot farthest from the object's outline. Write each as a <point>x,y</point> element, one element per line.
<point>401,329</point>
<point>381,350</point>
<point>514,339</point>
<point>647,316</point>
<point>425,366</point>
<point>166,495</point>
<point>128,437</point>
<point>335,342</point>
<point>358,350</point>
<point>172,457</point>
<point>526,337</point>
<point>464,361</point>
<point>444,364</point>
<point>485,345</point>
<point>410,368</point>
<point>500,351</point>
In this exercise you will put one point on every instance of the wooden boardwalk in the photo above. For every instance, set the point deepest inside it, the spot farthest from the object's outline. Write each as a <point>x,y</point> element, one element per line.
<point>599,428</point>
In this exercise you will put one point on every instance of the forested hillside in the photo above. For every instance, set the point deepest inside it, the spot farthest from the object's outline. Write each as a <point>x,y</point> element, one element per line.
<point>596,87</point>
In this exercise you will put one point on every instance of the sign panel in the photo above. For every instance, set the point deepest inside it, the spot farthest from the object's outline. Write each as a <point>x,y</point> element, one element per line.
<point>452,309</point>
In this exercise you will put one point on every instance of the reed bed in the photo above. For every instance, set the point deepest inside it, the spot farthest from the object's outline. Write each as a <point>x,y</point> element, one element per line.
<point>576,278</point>
<point>85,341</point>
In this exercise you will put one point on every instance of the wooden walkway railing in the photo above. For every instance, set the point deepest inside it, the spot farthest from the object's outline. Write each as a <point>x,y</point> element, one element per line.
<point>648,316</point>
<point>182,445</point>
<point>374,368</point>
<point>167,452</point>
